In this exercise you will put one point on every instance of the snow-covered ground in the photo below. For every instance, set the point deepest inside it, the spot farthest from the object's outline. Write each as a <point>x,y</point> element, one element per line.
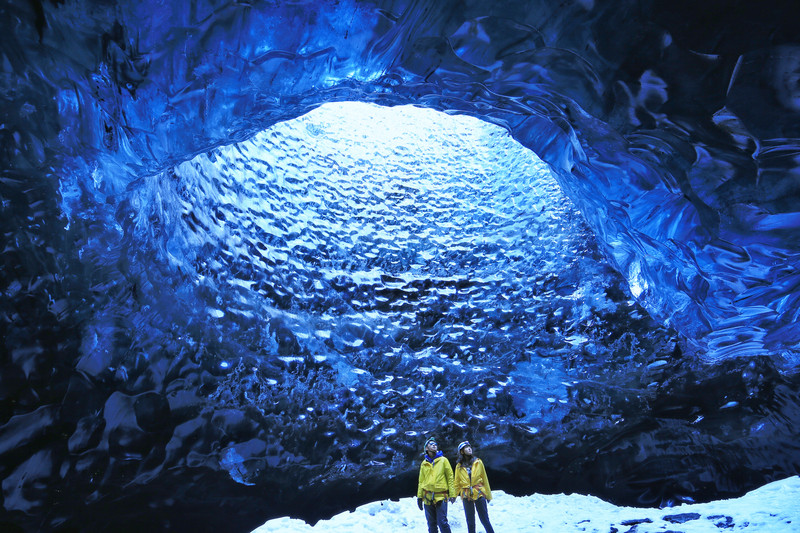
<point>774,508</point>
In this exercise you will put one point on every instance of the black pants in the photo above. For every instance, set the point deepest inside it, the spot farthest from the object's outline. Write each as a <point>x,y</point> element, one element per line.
<point>483,514</point>
<point>436,515</point>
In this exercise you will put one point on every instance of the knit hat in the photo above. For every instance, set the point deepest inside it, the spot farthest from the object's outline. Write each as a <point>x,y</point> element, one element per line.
<point>463,445</point>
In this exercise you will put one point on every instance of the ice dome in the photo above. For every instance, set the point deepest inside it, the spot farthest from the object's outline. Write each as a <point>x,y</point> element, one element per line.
<point>255,253</point>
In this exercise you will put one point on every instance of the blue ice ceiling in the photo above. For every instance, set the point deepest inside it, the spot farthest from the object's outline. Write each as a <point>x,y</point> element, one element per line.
<point>223,312</point>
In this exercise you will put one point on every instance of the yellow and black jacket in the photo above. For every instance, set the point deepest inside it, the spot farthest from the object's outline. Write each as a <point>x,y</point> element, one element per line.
<point>471,481</point>
<point>435,480</point>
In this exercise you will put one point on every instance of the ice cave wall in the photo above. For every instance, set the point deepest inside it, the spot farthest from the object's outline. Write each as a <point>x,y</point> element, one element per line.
<point>671,125</point>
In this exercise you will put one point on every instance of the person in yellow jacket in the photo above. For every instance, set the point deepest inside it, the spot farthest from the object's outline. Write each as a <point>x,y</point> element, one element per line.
<point>435,487</point>
<point>473,487</point>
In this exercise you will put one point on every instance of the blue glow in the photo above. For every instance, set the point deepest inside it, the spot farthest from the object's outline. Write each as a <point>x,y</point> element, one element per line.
<point>275,244</point>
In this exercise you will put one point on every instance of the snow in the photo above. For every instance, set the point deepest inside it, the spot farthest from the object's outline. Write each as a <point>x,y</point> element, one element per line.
<point>772,508</point>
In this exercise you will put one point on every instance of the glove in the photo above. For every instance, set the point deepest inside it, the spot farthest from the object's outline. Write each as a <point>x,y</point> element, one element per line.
<point>419,503</point>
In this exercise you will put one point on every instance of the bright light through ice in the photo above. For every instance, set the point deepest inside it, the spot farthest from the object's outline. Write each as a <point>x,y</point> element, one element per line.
<point>360,157</point>
<point>376,150</point>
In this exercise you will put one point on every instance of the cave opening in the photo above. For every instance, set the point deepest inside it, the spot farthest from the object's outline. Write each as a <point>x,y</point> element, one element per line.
<point>378,245</point>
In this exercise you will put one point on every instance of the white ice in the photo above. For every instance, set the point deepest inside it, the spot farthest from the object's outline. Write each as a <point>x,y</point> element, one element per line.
<point>773,508</point>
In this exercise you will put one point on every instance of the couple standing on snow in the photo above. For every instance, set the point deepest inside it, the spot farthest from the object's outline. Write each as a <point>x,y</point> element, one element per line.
<point>436,487</point>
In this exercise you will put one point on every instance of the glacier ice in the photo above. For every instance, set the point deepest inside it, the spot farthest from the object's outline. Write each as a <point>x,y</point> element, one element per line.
<point>197,302</point>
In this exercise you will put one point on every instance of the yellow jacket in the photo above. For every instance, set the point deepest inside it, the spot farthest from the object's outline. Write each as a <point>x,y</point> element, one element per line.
<point>435,480</point>
<point>474,484</point>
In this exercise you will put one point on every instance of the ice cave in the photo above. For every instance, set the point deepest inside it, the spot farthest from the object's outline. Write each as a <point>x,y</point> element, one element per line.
<point>255,253</point>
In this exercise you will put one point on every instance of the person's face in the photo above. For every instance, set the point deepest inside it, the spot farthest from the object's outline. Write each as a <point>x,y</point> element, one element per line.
<point>431,448</point>
<point>466,450</point>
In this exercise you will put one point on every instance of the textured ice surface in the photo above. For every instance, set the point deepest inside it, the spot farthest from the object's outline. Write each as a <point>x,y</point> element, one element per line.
<point>192,307</point>
<point>390,266</point>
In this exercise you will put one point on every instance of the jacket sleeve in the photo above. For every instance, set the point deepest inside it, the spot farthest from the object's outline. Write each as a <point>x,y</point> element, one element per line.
<point>487,490</point>
<point>448,474</point>
<point>419,484</point>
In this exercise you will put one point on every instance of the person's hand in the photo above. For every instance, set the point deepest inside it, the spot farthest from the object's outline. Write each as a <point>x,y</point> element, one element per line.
<point>453,499</point>
<point>419,503</point>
